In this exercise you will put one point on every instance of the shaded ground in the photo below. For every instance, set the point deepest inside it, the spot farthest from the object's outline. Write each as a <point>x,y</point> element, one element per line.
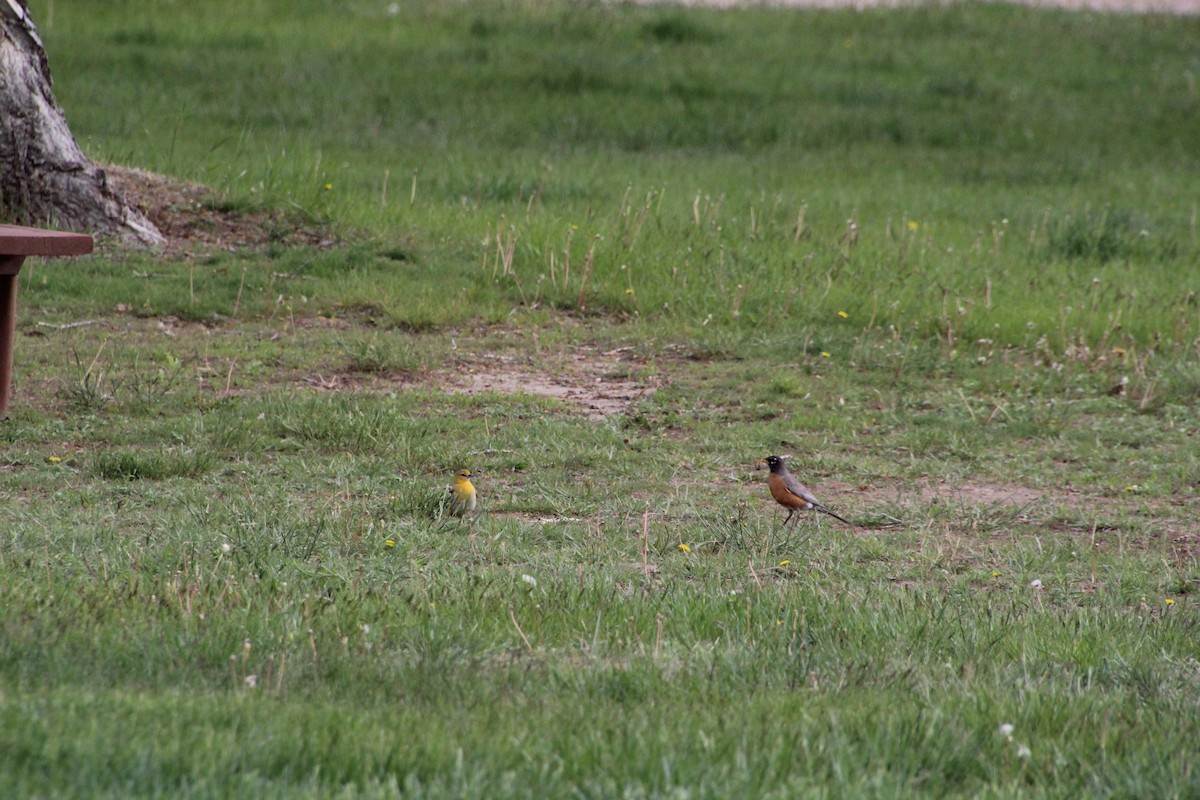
<point>196,219</point>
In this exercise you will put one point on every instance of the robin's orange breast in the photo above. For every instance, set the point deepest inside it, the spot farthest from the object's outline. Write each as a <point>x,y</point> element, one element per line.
<point>781,494</point>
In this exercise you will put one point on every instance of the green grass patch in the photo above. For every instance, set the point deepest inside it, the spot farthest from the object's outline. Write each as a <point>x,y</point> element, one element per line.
<point>606,256</point>
<point>154,466</point>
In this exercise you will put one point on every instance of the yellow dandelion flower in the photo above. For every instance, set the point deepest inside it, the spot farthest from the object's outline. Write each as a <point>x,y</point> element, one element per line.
<point>995,574</point>
<point>328,187</point>
<point>684,548</point>
<point>1119,351</point>
<point>1170,601</point>
<point>389,542</point>
<point>1133,487</point>
<point>824,354</point>
<point>913,224</point>
<point>54,460</point>
<point>629,290</point>
<point>843,315</point>
<point>784,563</point>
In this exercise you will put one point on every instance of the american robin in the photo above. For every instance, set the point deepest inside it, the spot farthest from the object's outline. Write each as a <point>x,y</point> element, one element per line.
<point>462,493</point>
<point>789,492</point>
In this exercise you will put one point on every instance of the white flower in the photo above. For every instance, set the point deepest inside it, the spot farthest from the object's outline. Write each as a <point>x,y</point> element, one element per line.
<point>1035,584</point>
<point>532,581</point>
<point>1023,751</point>
<point>226,547</point>
<point>1006,730</point>
<point>251,681</point>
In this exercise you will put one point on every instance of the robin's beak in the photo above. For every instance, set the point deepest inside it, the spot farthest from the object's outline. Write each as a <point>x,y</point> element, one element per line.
<point>760,464</point>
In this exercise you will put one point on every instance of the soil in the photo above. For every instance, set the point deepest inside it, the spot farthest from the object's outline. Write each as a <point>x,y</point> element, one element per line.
<point>594,384</point>
<point>933,492</point>
<point>197,220</point>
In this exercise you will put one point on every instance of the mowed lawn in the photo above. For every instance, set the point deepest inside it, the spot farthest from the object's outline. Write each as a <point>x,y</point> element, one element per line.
<point>607,256</point>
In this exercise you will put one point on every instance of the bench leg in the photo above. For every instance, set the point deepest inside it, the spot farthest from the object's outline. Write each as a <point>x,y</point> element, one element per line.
<point>8,329</point>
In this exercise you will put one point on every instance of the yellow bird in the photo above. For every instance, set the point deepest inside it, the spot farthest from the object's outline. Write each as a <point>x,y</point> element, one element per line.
<point>462,493</point>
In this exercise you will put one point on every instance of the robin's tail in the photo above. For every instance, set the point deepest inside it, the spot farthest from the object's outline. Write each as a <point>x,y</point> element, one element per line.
<point>825,510</point>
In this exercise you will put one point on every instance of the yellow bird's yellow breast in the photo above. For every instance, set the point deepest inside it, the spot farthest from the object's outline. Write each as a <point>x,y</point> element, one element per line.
<point>463,494</point>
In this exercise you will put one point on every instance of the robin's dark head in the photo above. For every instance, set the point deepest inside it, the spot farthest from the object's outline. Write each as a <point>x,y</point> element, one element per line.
<point>773,463</point>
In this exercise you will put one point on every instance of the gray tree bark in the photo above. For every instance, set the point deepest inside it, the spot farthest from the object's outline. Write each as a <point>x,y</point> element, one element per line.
<point>45,179</point>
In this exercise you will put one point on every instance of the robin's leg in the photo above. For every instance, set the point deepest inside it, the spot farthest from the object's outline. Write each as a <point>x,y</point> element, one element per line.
<point>791,511</point>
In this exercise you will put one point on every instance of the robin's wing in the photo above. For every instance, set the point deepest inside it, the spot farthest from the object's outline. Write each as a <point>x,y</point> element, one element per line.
<point>799,489</point>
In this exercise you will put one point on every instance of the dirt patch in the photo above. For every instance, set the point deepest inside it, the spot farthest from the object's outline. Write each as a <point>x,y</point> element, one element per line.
<point>195,219</point>
<point>595,384</point>
<point>1022,502</point>
<point>904,493</point>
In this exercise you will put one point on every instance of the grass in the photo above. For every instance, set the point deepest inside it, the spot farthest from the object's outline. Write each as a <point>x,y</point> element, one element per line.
<point>916,248</point>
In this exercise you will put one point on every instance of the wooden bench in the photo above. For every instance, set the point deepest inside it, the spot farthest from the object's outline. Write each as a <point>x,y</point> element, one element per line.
<point>16,243</point>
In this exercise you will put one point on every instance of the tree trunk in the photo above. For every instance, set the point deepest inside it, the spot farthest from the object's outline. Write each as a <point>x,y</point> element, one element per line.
<point>44,177</point>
